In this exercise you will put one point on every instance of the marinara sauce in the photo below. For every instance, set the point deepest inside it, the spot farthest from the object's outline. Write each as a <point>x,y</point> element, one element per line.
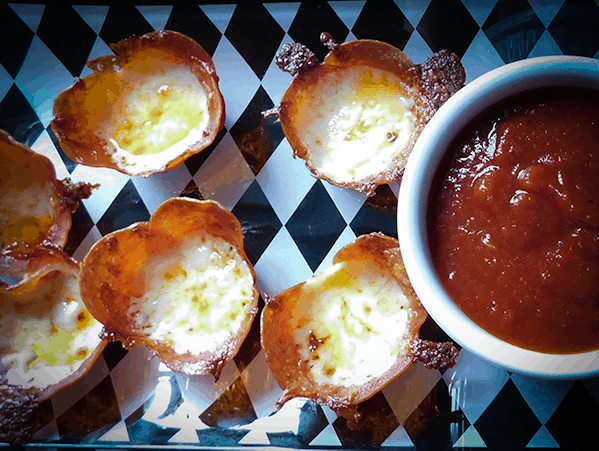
<point>514,220</point>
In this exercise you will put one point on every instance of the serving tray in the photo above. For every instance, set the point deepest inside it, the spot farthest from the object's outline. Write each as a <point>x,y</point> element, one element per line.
<point>293,224</point>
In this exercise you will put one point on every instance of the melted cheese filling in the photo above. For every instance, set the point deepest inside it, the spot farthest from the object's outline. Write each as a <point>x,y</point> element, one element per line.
<point>157,120</point>
<point>352,323</point>
<point>362,125</point>
<point>27,215</point>
<point>198,299</point>
<point>46,334</point>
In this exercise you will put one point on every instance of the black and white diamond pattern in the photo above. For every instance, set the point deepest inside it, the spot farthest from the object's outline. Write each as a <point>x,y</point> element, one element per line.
<point>293,224</point>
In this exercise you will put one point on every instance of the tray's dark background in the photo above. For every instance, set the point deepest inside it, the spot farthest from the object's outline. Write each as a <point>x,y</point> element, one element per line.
<point>293,224</point>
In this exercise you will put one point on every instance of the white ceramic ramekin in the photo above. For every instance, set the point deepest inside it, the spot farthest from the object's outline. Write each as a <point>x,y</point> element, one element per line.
<point>459,110</point>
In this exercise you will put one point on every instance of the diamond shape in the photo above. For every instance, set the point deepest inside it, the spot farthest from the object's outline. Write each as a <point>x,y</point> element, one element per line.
<point>18,118</point>
<point>156,15</point>
<point>312,422</point>
<point>513,28</point>
<point>259,221</point>
<point>384,21</point>
<point>125,210</point>
<point>110,185</point>
<point>447,24</point>
<point>508,422</point>
<point>237,81</point>
<point>377,214</point>
<point>273,267</point>
<point>225,175</point>
<point>575,28</point>
<point>474,383</point>
<point>251,345</point>
<point>255,34</point>
<point>480,58</point>
<point>113,353</point>
<point>14,31</point>
<point>253,133</point>
<point>311,20</point>
<point>157,188</point>
<point>41,78</point>
<point>82,224</point>
<point>316,225</point>
<point>6,82</point>
<point>69,164</point>
<point>92,416</point>
<point>93,15</point>
<point>196,161</point>
<point>543,396</point>
<point>60,22</point>
<point>574,422</point>
<point>285,181</point>
<point>375,423</point>
<point>232,408</point>
<point>122,21</point>
<point>192,191</point>
<point>433,424</point>
<point>192,21</point>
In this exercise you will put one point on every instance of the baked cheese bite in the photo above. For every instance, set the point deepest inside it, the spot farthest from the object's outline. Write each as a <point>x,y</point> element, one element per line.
<point>179,284</point>
<point>144,110</point>
<point>355,117</point>
<point>345,333</point>
<point>36,207</point>
<point>49,338</point>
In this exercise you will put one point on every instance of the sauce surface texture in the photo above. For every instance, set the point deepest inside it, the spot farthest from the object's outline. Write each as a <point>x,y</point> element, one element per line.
<point>513,220</point>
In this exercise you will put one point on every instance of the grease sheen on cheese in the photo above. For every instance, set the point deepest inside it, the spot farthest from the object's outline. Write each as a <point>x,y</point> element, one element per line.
<point>198,296</point>
<point>27,213</point>
<point>47,333</point>
<point>353,323</point>
<point>367,124</point>
<point>159,119</point>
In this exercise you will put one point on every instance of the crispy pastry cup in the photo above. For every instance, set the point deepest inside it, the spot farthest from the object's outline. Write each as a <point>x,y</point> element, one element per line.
<point>81,111</point>
<point>277,331</point>
<point>31,274</point>
<point>114,275</point>
<point>308,90</point>
<point>36,206</point>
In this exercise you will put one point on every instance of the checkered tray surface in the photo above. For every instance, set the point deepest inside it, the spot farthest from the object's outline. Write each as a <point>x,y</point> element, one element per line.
<point>293,224</point>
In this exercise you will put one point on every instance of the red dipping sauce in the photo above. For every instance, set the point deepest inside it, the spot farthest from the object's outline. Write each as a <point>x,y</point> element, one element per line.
<point>513,220</point>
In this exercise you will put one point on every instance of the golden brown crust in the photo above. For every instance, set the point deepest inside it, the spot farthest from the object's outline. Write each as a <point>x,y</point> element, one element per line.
<point>79,110</point>
<point>24,230</point>
<point>278,329</point>
<point>114,273</point>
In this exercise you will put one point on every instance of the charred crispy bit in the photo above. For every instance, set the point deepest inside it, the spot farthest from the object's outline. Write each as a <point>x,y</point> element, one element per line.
<point>329,42</point>
<point>355,117</point>
<point>18,412</point>
<point>438,356</point>
<point>74,193</point>
<point>295,58</point>
<point>442,76</point>
<point>345,333</point>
